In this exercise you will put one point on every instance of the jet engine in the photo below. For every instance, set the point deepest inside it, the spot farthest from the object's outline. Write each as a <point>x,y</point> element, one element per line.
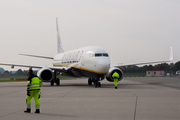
<point>45,74</point>
<point>110,73</point>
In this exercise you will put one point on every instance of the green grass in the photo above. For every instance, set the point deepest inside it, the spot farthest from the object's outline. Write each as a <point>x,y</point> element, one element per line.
<point>15,77</point>
<point>9,81</point>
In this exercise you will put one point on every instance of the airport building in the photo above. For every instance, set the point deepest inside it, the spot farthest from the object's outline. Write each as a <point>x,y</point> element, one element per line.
<point>153,73</point>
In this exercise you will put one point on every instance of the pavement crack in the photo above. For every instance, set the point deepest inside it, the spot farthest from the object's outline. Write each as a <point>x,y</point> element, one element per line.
<point>9,113</point>
<point>69,92</point>
<point>135,108</point>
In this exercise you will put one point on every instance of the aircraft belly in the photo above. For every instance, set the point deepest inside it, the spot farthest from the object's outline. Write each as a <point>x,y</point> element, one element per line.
<point>84,72</point>
<point>77,72</point>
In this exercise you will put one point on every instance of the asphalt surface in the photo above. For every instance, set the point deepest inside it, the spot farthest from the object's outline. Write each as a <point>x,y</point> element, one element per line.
<point>155,98</point>
<point>171,82</point>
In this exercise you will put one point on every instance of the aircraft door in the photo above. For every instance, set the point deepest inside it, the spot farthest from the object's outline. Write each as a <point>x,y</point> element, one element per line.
<point>91,62</point>
<point>87,60</point>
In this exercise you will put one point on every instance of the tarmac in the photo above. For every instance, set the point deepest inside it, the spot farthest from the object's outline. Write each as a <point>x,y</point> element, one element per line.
<point>146,98</point>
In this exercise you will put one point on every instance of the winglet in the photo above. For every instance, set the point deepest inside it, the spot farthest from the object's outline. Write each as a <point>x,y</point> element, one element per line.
<point>171,54</point>
<point>59,45</point>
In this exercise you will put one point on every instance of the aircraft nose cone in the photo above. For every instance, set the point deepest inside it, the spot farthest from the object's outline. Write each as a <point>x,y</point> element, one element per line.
<point>103,65</point>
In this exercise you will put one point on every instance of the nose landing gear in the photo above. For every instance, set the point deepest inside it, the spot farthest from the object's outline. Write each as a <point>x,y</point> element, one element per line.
<point>90,81</point>
<point>95,81</point>
<point>97,84</point>
<point>55,80</point>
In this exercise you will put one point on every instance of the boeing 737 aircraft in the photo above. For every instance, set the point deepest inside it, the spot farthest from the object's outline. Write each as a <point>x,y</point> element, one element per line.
<point>92,62</point>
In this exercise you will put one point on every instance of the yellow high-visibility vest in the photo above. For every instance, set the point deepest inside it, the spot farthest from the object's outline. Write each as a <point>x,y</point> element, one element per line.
<point>115,74</point>
<point>34,84</point>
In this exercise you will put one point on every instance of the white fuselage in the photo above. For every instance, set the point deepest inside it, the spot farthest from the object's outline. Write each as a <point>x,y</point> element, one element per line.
<point>86,61</point>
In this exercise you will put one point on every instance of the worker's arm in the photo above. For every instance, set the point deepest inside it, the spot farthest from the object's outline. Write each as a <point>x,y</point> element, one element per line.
<point>40,82</point>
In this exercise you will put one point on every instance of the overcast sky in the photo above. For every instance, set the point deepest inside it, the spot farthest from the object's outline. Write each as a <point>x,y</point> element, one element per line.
<point>130,31</point>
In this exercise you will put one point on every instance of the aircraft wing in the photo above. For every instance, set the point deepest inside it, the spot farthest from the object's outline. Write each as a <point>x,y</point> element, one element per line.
<point>37,56</point>
<point>122,65</point>
<point>21,65</point>
<point>171,58</point>
<point>60,69</point>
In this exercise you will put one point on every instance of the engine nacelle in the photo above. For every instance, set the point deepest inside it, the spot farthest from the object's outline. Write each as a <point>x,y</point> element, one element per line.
<point>110,73</point>
<point>45,74</point>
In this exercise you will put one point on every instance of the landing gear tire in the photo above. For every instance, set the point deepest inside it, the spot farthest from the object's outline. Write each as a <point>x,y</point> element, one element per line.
<point>52,82</point>
<point>57,82</point>
<point>99,84</point>
<point>89,81</point>
<point>95,84</point>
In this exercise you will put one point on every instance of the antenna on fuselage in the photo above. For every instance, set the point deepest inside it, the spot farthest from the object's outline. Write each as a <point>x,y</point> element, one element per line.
<point>59,44</point>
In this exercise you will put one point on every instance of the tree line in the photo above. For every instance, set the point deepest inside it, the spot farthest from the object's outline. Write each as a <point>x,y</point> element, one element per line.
<point>19,72</point>
<point>168,68</point>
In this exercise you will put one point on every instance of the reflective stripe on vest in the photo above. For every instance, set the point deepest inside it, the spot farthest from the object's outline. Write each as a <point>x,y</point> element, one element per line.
<point>115,75</point>
<point>34,83</point>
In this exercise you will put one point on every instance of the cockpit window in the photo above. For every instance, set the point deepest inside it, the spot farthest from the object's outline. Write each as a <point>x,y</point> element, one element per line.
<point>101,54</point>
<point>105,54</point>
<point>98,54</point>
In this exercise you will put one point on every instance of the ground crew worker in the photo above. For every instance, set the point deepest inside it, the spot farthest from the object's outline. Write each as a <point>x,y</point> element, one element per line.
<point>115,76</point>
<point>33,88</point>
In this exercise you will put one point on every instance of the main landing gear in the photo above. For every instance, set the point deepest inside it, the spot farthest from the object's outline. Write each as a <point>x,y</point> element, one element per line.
<point>55,80</point>
<point>95,81</point>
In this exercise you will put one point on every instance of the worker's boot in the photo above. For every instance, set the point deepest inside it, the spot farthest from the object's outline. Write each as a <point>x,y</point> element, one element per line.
<point>37,111</point>
<point>28,110</point>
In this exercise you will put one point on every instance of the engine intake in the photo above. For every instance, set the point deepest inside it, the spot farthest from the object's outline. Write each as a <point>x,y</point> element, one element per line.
<point>45,74</point>
<point>110,73</point>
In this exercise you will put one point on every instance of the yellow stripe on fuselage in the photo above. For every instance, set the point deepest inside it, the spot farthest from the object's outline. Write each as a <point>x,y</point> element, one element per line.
<point>62,65</point>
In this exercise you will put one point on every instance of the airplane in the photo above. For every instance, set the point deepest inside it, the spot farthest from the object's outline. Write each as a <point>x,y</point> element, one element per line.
<point>92,62</point>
